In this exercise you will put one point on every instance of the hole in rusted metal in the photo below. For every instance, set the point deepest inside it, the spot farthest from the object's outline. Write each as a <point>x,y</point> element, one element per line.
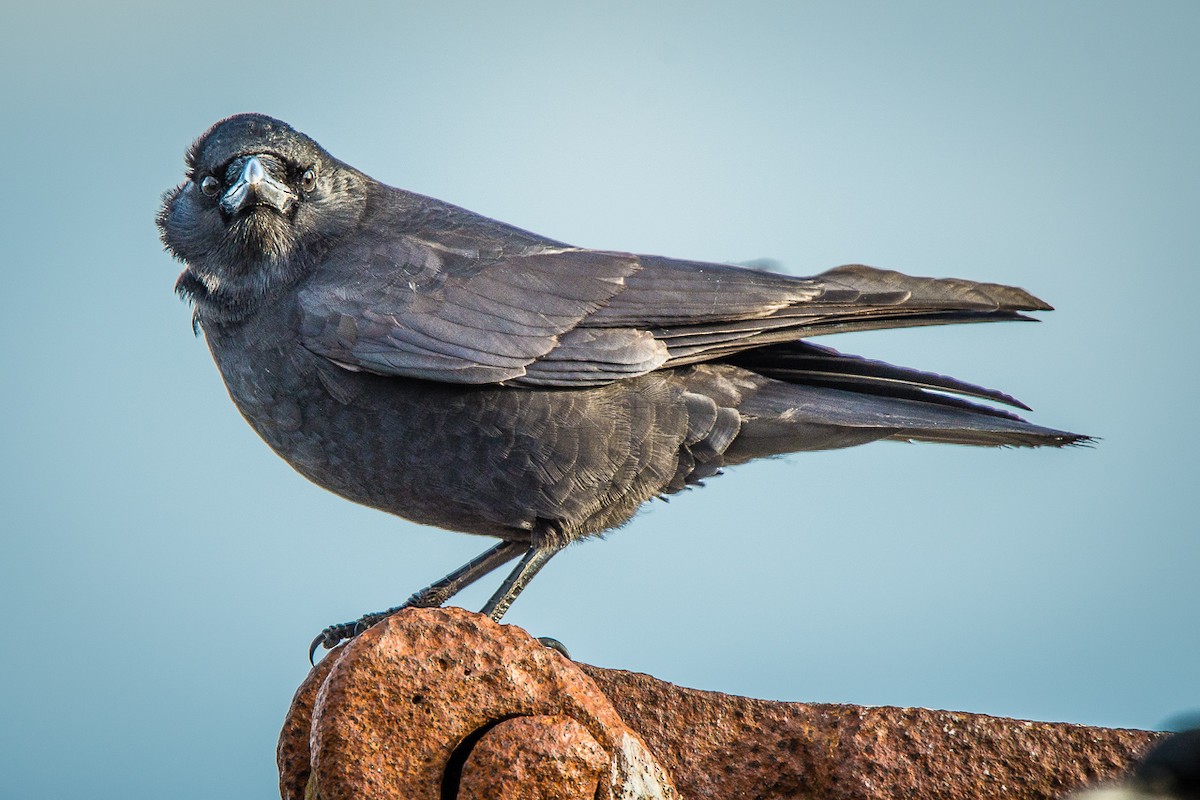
<point>452,776</point>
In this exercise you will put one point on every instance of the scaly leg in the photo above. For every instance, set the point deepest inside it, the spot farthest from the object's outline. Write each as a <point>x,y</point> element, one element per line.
<point>535,558</point>
<point>433,595</point>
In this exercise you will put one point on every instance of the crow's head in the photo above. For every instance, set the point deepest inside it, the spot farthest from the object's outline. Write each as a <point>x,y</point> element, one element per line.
<point>260,202</point>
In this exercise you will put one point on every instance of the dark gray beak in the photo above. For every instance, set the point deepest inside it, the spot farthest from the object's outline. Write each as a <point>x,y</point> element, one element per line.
<point>256,187</point>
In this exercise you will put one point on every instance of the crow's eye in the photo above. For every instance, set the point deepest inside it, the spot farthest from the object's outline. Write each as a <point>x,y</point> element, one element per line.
<point>308,181</point>
<point>210,186</point>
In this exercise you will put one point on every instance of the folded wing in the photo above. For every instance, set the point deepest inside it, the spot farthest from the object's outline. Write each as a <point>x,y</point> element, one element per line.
<point>548,315</point>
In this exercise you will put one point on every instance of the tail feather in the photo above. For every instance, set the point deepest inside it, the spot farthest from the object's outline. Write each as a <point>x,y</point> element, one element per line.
<point>783,417</point>
<point>815,365</point>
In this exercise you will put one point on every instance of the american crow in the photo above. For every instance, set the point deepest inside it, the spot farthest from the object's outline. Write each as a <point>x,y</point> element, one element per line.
<point>415,357</point>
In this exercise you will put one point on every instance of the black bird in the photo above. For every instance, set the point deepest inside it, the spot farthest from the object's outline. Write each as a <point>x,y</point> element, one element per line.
<point>418,358</point>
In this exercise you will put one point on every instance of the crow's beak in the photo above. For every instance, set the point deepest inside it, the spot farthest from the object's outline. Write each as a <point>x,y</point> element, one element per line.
<point>256,187</point>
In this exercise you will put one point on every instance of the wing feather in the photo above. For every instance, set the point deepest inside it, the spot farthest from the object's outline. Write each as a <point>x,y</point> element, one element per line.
<point>550,315</point>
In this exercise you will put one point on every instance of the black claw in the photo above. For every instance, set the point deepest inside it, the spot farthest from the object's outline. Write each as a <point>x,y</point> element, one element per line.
<point>555,644</point>
<point>334,635</point>
<point>331,637</point>
<point>312,649</point>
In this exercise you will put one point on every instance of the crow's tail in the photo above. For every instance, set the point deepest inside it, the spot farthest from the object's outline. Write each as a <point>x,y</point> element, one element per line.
<point>814,398</point>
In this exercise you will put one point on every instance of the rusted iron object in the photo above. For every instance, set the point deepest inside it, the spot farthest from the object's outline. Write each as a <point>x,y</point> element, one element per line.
<point>443,703</point>
<point>429,703</point>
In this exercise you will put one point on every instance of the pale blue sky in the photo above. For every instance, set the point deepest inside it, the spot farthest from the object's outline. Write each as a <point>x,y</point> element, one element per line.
<point>162,571</point>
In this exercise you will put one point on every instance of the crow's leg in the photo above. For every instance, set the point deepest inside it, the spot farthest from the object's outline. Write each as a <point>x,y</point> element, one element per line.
<point>433,595</point>
<point>535,558</point>
<point>440,591</point>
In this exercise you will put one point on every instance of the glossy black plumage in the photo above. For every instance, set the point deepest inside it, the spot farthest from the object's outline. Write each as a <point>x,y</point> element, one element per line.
<point>415,357</point>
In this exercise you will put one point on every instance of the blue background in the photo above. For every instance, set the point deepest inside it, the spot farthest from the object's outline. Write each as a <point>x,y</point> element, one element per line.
<point>161,571</point>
